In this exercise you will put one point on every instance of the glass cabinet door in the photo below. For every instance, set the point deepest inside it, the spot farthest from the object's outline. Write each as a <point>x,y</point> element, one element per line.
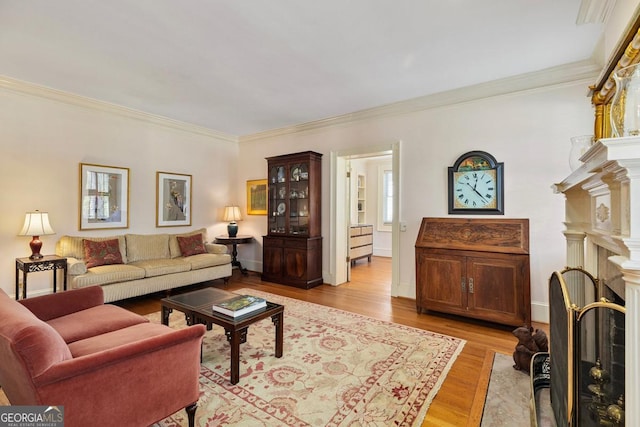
<point>277,200</point>
<point>299,198</point>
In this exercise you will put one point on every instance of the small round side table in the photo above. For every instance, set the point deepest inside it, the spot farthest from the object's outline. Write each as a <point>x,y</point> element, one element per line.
<point>235,241</point>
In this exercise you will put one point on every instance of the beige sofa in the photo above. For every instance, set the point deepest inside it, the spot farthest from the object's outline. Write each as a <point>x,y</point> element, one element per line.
<point>149,263</point>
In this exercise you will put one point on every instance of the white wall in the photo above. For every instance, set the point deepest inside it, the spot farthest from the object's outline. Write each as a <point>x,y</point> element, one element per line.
<point>528,131</point>
<point>42,142</point>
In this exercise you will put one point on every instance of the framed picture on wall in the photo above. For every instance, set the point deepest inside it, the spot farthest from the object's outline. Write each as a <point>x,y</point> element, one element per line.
<point>173,199</point>
<point>104,197</point>
<point>257,197</point>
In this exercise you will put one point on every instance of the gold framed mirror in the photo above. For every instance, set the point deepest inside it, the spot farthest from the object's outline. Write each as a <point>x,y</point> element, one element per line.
<point>626,53</point>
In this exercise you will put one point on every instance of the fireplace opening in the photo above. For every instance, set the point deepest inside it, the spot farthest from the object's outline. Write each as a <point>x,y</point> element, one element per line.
<point>586,350</point>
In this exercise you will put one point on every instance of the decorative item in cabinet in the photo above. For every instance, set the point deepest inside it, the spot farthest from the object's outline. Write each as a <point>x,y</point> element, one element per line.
<point>294,207</point>
<point>475,268</point>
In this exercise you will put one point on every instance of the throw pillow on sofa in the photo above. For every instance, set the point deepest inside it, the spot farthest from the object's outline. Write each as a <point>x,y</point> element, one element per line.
<point>102,252</point>
<point>191,245</point>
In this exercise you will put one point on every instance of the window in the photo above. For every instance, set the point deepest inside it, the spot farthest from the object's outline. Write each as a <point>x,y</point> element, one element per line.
<point>385,197</point>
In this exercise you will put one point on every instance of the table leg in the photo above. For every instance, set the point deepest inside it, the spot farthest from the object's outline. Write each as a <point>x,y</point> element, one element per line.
<point>234,259</point>
<point>166,311</point>
<point>235,338</point>
<point>55,280</point>
<point>17,282</point>
<point>64,280</point>
<point>278,320</point>
<point>24,284</point>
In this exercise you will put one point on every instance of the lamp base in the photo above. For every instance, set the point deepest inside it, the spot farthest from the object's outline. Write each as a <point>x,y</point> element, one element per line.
<point>232,229</point>
<point>36,245</point>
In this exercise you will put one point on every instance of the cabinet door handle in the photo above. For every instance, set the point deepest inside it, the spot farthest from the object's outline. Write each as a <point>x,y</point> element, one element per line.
<point>464,287</point>
<point>470,285</point>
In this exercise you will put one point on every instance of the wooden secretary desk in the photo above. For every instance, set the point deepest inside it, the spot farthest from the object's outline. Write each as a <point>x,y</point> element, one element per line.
<point>292,248</point>
<point>475,268</point>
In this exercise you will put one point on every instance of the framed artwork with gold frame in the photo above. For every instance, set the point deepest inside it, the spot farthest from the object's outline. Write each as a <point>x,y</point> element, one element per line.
<point>257,197</point>
<point>173,199</point>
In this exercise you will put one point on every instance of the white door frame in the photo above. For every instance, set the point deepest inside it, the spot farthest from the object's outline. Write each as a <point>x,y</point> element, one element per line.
<point>339,213</point>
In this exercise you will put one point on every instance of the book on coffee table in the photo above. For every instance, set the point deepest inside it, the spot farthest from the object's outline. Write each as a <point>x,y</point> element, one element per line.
<point>239,305</point>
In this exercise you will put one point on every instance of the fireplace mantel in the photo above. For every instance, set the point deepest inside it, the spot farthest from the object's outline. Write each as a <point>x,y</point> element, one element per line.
<point>602,210</point>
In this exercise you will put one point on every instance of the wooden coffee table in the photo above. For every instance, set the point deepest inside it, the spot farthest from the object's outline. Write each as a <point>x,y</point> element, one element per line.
<point>196,306</point>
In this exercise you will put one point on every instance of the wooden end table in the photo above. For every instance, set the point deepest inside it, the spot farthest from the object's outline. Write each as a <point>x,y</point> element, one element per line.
<point>46,263</point>
<point>196,306</point>
<point>235,241</point>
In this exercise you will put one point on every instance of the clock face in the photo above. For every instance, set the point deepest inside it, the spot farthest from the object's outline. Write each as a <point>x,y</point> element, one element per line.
<point>475,189</point>
<point>476,185</point>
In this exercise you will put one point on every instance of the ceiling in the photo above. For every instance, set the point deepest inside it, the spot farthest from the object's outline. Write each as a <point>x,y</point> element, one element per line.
<point>247,66</point>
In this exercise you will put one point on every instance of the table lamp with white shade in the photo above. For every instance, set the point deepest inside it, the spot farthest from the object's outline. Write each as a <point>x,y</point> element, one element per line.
<point>231,215</point>
<point>36,224</point>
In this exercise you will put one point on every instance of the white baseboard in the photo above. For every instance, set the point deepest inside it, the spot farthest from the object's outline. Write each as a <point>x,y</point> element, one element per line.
<point>382,252</point>
<point>540,312</point>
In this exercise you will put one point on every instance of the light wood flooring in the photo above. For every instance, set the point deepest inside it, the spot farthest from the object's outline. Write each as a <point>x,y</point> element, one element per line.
<point>461,397</point>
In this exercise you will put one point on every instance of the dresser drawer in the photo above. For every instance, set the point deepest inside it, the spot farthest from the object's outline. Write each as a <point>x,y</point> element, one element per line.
<point>361,240</point>
<point>366,229</point>
<point>361,251</point>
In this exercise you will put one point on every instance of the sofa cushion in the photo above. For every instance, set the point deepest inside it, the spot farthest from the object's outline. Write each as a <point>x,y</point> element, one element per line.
<point>174,247</point>
<point>25,337</point>
<point>101,252</point>
<point>94,321</point>
<point>207,260</point>
<point>141,247</point>
<point>73,246</point>
<point>105,274</point>
<point>159,267</point>
<point>191,245</point>
<point>132,334</point>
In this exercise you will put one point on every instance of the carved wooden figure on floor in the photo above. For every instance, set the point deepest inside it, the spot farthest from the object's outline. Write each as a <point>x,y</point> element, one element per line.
<point>529,343</point>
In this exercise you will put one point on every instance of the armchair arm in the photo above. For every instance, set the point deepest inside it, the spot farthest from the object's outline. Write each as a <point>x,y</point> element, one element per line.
<point>146,380</point>
<point>85,365</point>
<point>47,307</point>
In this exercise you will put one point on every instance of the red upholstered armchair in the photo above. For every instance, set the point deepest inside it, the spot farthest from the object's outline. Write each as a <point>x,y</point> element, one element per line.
<point>104,364</point>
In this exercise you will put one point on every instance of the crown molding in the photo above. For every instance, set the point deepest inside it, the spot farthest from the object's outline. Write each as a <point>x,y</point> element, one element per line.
<point>594,11</point>
<point>586,70</point>
<point>85,102</point>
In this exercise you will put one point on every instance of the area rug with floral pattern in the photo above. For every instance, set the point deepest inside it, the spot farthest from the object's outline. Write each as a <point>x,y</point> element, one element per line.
<point>338,369</point>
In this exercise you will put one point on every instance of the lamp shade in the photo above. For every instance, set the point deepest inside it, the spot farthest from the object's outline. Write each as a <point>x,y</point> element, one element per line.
<point>36,224</point>
<point>232,214</point>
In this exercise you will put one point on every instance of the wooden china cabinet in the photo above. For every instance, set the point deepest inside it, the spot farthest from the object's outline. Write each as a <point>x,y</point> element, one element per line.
<point>292,248</point>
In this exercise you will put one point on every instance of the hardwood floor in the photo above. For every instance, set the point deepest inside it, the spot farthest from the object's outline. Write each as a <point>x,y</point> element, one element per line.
<point>368,293</point>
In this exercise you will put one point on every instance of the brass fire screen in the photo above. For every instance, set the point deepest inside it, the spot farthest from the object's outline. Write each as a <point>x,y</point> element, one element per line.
<point>586,352</point>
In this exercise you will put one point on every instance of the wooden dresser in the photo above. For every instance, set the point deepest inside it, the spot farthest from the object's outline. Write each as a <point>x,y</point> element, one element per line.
<point>360,242</point>
<point>475,268</point>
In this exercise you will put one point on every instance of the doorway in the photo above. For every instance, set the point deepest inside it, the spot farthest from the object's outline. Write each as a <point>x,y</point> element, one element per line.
<point>339,268</point>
